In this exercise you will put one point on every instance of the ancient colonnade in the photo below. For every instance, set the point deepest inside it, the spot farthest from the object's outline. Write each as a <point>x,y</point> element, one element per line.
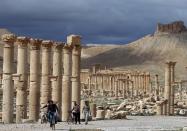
<point>56,76</point>
<point>116,84</point>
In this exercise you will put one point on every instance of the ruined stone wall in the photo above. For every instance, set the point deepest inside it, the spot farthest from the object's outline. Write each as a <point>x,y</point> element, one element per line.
<point>174,27</point>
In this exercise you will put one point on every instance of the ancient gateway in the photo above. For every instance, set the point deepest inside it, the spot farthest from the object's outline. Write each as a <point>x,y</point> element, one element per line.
<point>59,66</point>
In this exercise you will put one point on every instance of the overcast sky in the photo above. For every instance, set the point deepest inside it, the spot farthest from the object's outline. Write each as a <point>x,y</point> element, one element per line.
<point>97,21</point>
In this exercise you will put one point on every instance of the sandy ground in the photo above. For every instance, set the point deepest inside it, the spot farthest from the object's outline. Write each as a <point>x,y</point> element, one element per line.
<point>134,123</point>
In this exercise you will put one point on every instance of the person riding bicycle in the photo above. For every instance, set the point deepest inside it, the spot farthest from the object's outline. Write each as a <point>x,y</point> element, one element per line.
<point>52,110</point>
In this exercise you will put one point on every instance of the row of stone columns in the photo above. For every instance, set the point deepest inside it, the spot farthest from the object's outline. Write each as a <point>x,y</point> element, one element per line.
<point>60,90</point>
<point>139,83</point>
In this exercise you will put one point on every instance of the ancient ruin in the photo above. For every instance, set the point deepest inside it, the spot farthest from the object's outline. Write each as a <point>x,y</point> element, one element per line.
<point>174,27</point>
<point>35,71</point>
<point>40,90</point>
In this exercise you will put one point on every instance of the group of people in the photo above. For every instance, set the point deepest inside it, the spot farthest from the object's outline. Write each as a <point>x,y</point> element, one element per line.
<point>52,112</point>
<point>85,111</point>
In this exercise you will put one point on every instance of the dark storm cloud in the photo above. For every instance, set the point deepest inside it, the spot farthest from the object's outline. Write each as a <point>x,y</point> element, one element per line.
<point>98,21</point>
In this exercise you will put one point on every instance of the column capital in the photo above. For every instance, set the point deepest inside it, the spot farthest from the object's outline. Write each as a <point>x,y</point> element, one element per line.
<point>46,44</point>
<point>67,47</point>
<point>22,41</point>
<point>173,63</point>
<point>9,39</point>
<point>74,40</point>
<point>58,45</point>
<point>35,43</point>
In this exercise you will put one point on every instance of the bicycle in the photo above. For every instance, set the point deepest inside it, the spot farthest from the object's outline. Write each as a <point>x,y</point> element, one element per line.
<point>43,116</point>
<point>70,118</point>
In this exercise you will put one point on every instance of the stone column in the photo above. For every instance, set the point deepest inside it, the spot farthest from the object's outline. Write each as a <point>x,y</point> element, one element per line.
<point>110,83</point>
<point>75,40</point>
<point>127,88</point>
<point>164,107</point>
<point>102,82</point>
<point>93,109</point>
<point>8,89</point>
<point>116,88</point>
<point>180,91</point>
<point>66,84</point>
<point>159,110</point>
<point>57,72</point>
<point>96,84</point>
<point>172,66</point>
<point>46,66</point>
<point>156,85</point>
<point>167,90</point>
<point>89,82</point>
<point>34,88</point>
<point>124,89</point>
<point>21,84</point>
<point>148,90</point>
<point>140,83</point>
<point>132,88</point>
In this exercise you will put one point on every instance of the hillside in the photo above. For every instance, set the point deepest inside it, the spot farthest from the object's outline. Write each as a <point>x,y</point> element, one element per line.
<point>148,53</point>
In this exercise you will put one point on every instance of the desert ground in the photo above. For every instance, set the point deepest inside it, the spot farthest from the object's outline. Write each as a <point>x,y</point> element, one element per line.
<point>133,123</point>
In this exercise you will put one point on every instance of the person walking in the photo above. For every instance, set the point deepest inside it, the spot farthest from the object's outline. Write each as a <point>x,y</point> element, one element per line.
<point>76,113</point>
<point>86,112</point>
<point>52,110</point>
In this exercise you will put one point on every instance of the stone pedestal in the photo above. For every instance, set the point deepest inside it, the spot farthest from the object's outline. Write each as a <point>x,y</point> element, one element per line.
<point>34,89</point>
<point>93,109</point>
<point>66,83</point>
<point>100,115</point>
<point>21,84</point>
<point>45,81</point>
<point>57,72</point>
<point>164,107</point>
<point>8,89</point>
<point>159,110</point>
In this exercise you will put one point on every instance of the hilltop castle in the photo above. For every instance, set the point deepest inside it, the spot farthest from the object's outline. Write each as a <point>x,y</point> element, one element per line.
<point>174,27</point>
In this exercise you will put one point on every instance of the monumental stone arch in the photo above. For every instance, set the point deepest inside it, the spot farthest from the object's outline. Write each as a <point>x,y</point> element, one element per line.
<point>53,74</point>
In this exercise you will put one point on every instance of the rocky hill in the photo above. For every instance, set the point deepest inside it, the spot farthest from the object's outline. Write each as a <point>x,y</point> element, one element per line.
<point>147,53</point>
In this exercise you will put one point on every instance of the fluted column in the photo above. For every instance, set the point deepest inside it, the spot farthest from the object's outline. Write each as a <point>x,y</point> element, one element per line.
<point>34,89</point>
<point>75,40</point>
<point>57,72</point>
<point>172,66</point>
<point>21,84</point>
<point>167,89</point>
<point>8,89</point>
<point>66,83</point>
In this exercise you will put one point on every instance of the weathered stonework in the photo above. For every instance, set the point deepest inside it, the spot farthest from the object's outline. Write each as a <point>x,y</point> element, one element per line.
<point>8,89</point>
